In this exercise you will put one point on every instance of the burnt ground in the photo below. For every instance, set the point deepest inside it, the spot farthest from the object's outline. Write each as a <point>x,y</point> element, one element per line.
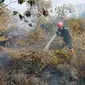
<point>52,76</point>
<point>56,44</point>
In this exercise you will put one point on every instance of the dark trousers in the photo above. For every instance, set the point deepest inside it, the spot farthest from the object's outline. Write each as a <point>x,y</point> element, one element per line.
<point>2,43</point>
<point>67,45</point>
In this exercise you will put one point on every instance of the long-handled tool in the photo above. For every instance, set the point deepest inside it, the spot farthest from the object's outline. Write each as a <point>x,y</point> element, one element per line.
<point>47,46</point>
<point>73,51</point>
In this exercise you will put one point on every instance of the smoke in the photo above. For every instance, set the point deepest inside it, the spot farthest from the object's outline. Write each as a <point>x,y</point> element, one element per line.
<point>18,29</point>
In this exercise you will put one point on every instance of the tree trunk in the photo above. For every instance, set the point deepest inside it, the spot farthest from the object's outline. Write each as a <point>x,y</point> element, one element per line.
<point>38,25</point>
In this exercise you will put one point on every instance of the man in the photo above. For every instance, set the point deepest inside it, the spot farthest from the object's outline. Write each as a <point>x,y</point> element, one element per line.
<point>42,26</point>
<point>64,33</point>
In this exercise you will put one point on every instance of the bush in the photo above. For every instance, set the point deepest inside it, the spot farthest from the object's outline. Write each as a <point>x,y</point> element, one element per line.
<point>29,63</point>
<point>76,25</point>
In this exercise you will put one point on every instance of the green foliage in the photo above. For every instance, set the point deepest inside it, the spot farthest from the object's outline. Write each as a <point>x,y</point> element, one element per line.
<point>31,2</point>
<point>21,17</point>
<point>15,12</point>
<point>27,13</point>
<point>1,1</point>
<point>21,1</point>
<point>44,12</point>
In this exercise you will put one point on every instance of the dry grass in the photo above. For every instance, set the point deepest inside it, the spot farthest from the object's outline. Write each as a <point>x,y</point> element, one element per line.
<point>78,32</point>
<point>30,62</point>
<point>33,37</point>
<point>51,57</point>
<point>3,18</point>
<point>77,26</point>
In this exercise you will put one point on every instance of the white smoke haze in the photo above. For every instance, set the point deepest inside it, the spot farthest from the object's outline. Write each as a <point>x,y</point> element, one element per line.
<point>19,27</point>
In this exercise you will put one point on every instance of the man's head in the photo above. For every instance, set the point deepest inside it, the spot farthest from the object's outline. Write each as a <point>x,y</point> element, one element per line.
<point>60,24</point>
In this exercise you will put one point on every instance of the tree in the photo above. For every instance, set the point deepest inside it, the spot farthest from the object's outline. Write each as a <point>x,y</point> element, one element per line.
<point>42,11</point>
<point>64,10</point>
<point>37,10</point>
<point>1,1</point>
<point>40,5</point>
<point>3,17</point>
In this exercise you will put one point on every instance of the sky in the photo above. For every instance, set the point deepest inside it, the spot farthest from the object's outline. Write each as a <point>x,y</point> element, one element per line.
<point>69,1</point>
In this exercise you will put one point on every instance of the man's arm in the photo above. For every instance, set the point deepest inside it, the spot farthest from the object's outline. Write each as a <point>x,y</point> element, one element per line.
<point>58,33</point>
